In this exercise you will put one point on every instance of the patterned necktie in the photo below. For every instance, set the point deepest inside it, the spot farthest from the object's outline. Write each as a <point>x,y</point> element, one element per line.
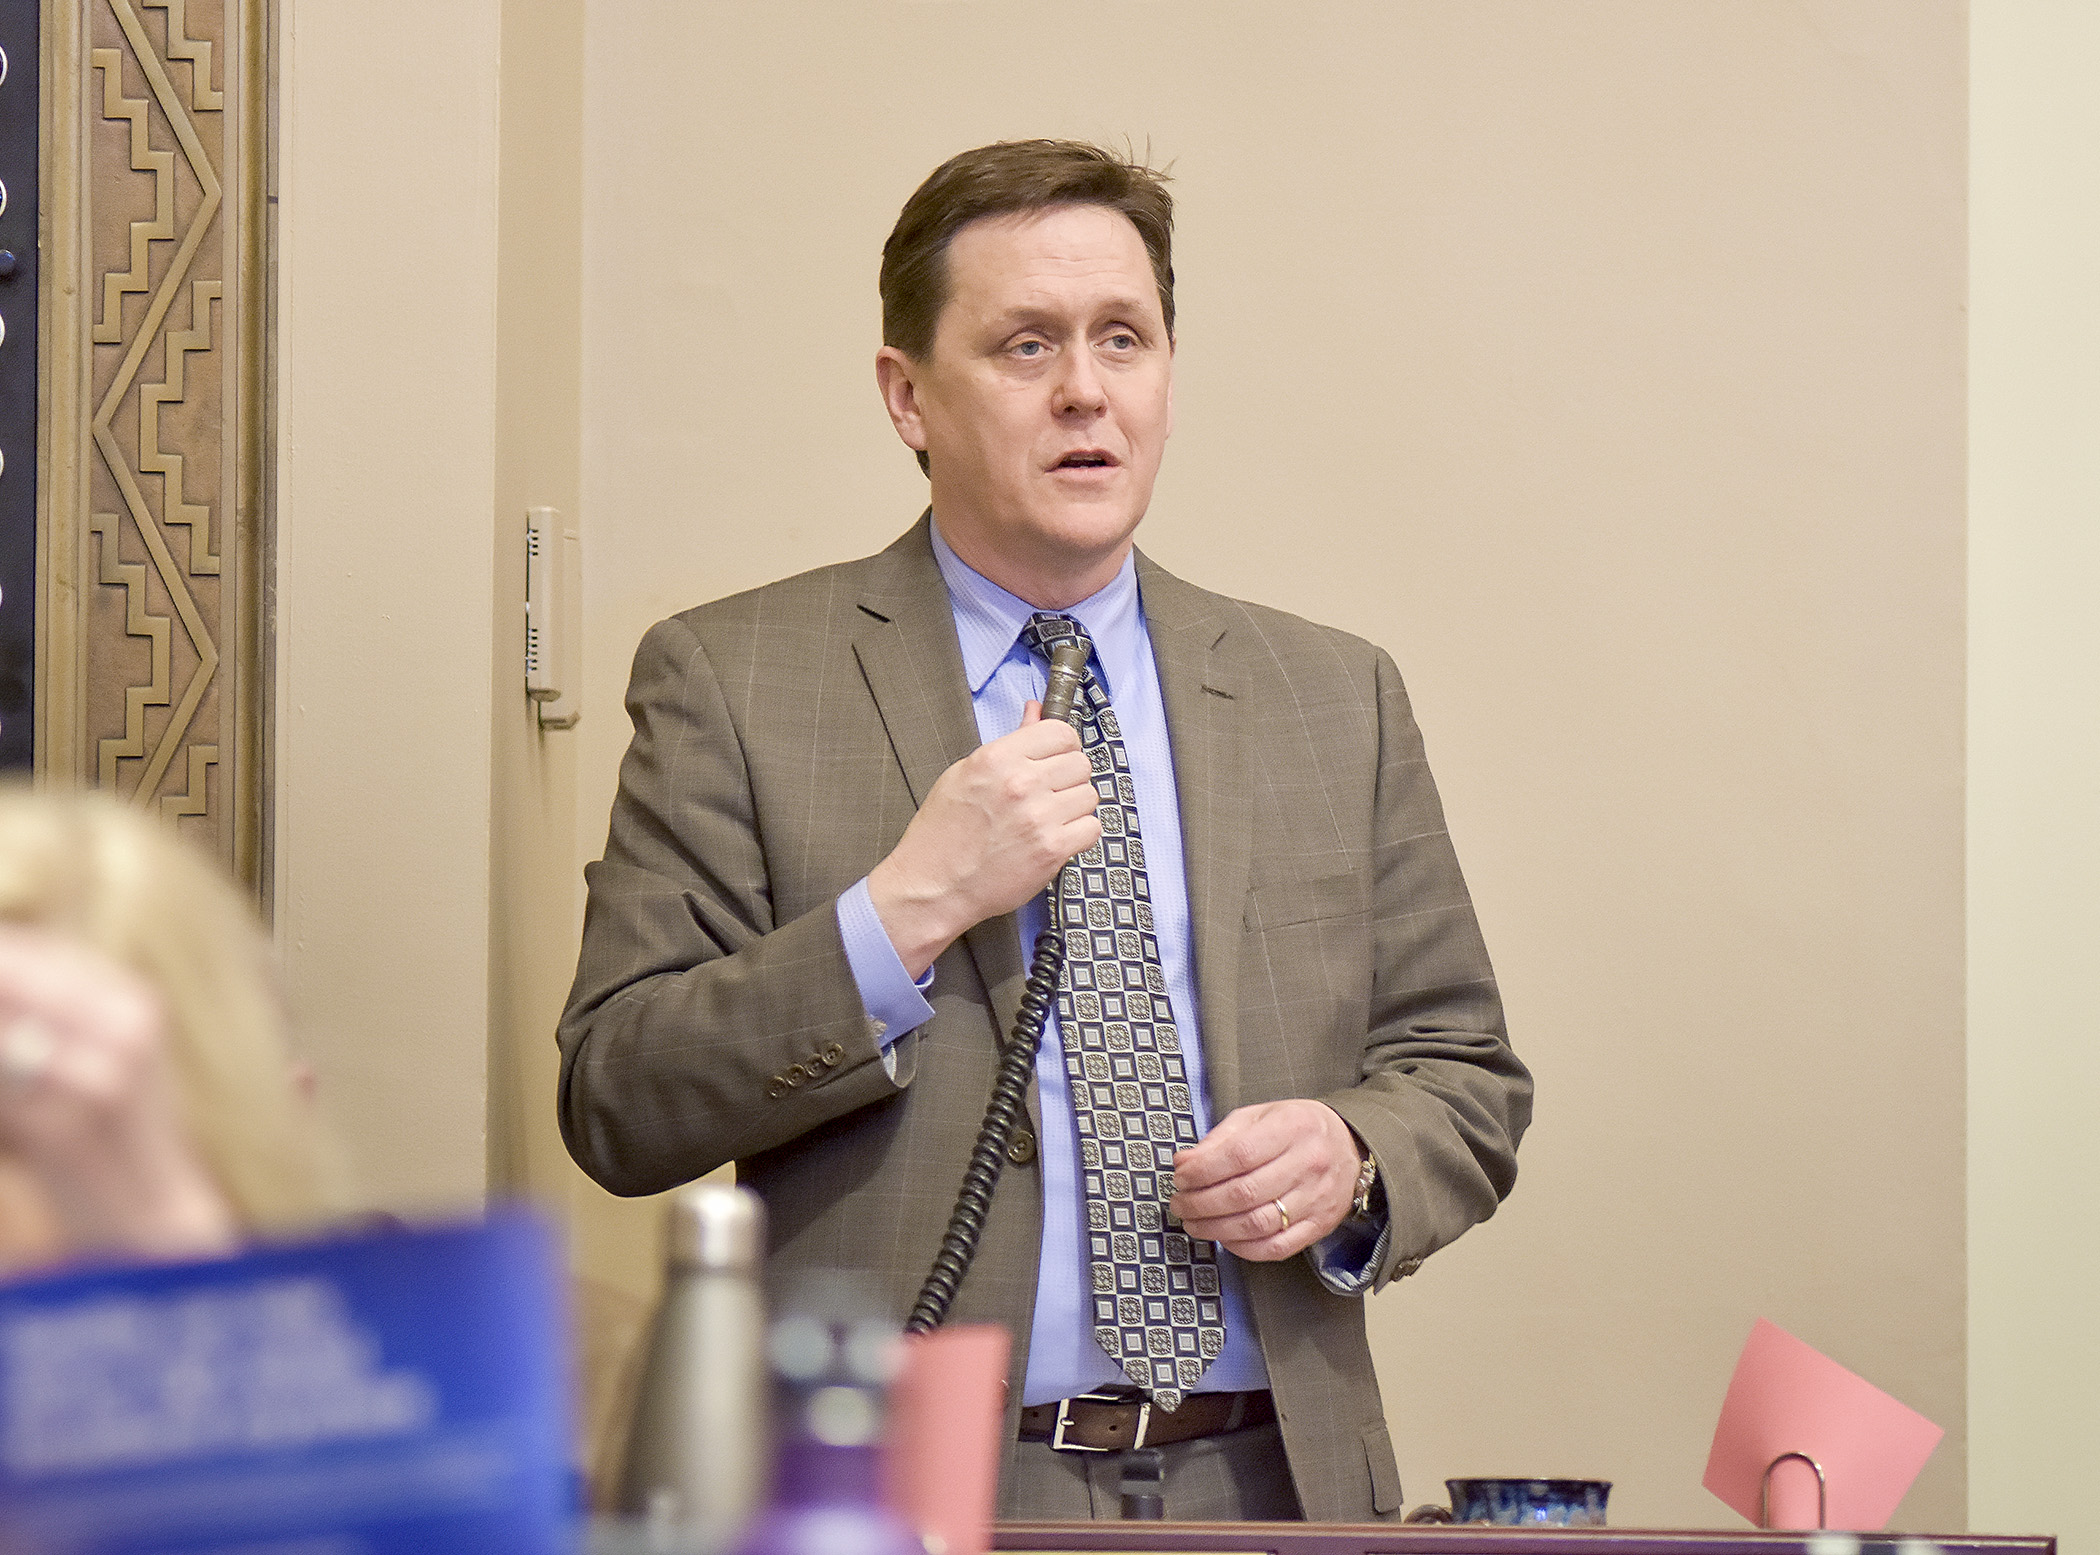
<point>1154,1287</point>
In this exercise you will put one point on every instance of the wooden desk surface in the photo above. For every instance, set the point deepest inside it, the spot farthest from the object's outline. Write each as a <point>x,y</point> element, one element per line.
<point>1114,1538</point>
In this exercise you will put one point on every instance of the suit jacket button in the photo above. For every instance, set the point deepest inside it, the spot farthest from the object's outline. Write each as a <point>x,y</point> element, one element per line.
<point>833,1054</point>
<point>1407,1268</point>
<point>796,1074</point>
<point>1021,1148</point>
<point>777,1087</point>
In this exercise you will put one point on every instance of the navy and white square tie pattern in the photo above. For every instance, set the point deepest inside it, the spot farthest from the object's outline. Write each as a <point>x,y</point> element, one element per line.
<point>1154,1287</point>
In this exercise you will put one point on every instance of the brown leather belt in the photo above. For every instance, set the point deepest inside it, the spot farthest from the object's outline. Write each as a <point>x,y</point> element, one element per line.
<point>1097,1422</point>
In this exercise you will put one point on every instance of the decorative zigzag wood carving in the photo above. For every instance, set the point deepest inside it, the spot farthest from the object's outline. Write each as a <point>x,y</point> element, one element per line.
<point>144,159</point>
<point>138,622</point>
<point>152,460</point>
<point>150,653</point>
<point>196,50</point>
<point>158,750</point>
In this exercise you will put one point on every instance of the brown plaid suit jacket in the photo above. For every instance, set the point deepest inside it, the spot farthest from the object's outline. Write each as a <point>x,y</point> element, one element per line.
<point>784,737</point>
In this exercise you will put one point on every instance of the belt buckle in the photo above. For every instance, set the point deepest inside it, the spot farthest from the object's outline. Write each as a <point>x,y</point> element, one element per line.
<point>1064,1415</point>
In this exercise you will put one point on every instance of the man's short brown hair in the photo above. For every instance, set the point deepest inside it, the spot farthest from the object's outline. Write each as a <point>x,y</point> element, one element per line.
<point>1006,179</point>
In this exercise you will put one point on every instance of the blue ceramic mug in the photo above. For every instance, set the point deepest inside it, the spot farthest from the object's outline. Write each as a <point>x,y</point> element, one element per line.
<point>1522,1503</point>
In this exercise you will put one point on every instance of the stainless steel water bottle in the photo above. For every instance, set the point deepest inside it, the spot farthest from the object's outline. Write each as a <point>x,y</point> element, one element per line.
<point>698,1457</point>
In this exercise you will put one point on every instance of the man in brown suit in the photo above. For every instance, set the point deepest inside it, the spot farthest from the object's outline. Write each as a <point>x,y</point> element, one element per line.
<point>804,942</point>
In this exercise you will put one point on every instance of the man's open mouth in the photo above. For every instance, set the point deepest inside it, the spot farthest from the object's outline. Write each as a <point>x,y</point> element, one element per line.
<point>1085,459</point>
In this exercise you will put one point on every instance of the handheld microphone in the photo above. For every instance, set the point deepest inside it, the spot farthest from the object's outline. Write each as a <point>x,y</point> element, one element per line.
<point>1067,675</point>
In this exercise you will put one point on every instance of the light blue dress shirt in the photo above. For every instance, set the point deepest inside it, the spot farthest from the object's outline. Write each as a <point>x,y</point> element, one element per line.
<point>1004,675</point>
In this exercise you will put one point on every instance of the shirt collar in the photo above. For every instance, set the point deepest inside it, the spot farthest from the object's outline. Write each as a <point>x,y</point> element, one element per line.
<point>988,620</point>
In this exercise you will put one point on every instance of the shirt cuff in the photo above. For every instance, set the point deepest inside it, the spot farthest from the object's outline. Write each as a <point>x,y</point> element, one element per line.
<point>1347,1259</point>
<point>892,999</point>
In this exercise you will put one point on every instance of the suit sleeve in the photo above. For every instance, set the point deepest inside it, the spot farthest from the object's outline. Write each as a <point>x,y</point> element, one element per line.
<point>1442,1100</point>
<point>699,1030</point>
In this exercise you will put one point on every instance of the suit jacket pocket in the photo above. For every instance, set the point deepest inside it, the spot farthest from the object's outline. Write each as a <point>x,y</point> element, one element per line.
<point>1279,903</point>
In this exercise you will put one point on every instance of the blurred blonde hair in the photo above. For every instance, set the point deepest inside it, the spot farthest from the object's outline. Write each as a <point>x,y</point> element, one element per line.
<point>85,866</point>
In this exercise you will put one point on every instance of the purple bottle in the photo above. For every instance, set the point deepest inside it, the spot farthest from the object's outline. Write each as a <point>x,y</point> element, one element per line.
<point>829,1371</point>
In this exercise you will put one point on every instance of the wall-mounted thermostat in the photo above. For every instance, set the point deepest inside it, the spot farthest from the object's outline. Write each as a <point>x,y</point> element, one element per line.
<point>553,604</point>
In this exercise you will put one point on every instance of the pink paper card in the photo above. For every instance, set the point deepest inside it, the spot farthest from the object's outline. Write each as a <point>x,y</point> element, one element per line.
<point>941,1451</point>
<point>1786,1397</point>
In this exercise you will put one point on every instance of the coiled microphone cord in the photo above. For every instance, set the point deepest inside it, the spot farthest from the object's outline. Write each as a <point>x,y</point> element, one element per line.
<point>1016,1062</point>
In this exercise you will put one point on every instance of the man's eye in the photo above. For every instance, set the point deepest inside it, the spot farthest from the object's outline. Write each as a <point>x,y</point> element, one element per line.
<point>1122,340</point>
<point>1029,348</point>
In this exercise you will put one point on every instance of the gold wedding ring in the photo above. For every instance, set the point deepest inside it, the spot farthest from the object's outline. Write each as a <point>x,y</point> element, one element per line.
<point>26,1047</point>
<point>1286,1214</point>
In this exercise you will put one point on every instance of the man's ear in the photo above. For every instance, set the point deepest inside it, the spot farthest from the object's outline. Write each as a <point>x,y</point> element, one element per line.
<point>895,375</point>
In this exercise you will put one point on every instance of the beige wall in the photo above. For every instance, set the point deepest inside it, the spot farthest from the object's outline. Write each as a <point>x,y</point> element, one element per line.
<point>385,481</point>
<point>1605,362</point>
<point>537,847</point>
<point>534,878</point>
<point>2034,769</point>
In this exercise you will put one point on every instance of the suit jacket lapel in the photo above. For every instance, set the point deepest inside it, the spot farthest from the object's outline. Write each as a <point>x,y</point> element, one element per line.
<point>905,642</point>
<point>1202,689</point>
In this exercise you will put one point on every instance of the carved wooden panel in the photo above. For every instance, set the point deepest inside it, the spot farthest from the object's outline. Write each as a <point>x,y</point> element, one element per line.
<point>156,540</point>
